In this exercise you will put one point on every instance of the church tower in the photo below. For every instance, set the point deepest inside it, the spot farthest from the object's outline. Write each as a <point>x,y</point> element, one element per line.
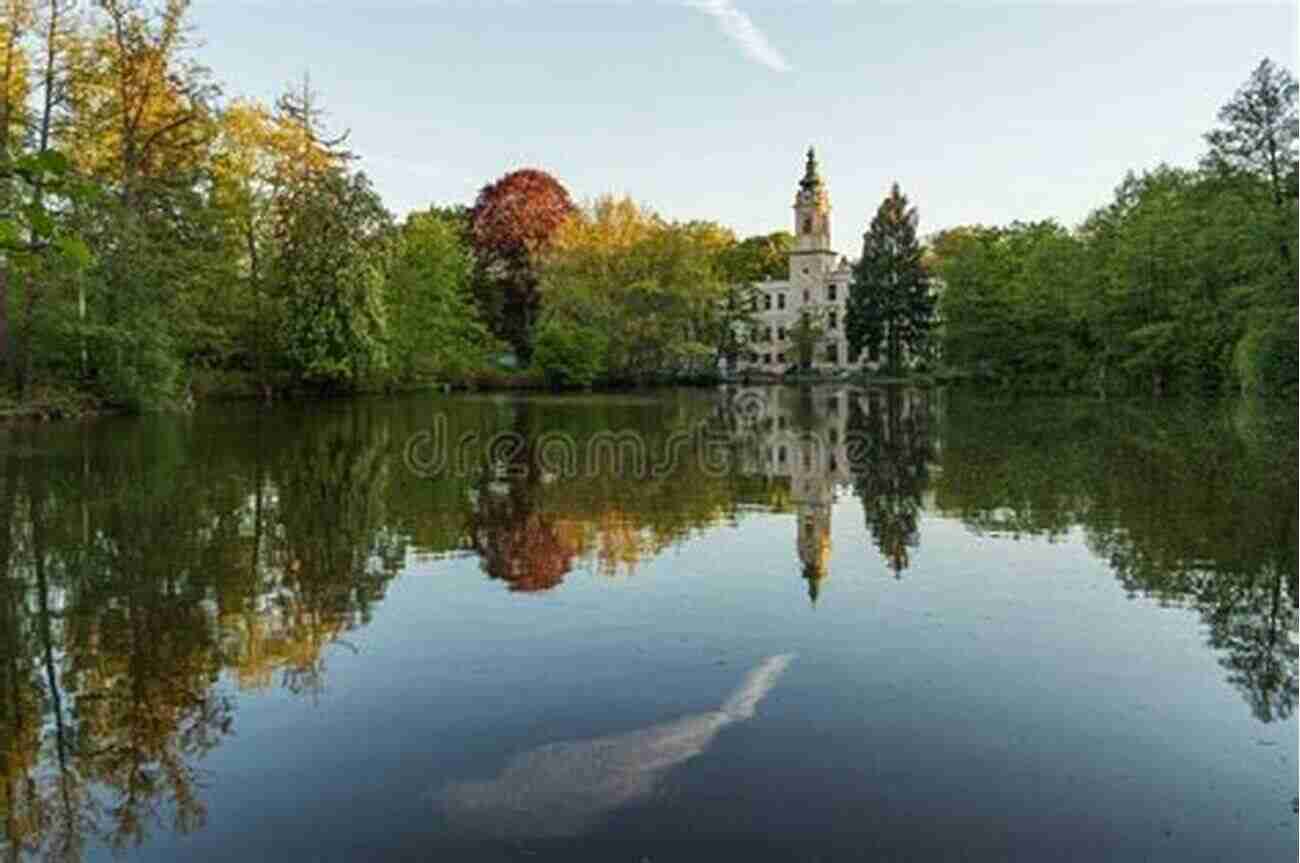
<point>812,257</point>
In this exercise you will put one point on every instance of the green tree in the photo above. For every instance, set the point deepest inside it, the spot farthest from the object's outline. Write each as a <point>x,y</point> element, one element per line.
<point>1259,136</point>
<point>807,332</point>
<point>757,258</point>
<point>568,353</point>
<point>652,287</point>
<point>432,322</point>
<point>743,266</point>
<point>1255,148</point>
<point>330,235</point>
<point>890,301</point>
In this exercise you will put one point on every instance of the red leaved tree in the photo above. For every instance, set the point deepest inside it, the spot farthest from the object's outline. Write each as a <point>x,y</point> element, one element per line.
<point>512,221</point>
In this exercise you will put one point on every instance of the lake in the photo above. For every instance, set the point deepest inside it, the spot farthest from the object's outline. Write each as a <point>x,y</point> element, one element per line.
<point>823,623</point>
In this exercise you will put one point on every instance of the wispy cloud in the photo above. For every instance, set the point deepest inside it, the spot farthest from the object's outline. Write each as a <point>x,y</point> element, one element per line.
<point>742,29</point>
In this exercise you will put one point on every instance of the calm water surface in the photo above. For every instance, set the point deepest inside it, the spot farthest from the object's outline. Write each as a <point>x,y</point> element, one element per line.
<point>819,624</point>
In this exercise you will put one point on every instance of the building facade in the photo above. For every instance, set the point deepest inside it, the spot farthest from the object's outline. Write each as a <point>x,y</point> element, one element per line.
<point>817,284</point>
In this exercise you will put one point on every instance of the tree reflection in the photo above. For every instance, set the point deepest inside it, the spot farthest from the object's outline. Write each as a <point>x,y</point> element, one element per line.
<point>890,465</point>
<point>134,578</point>
<point>151,570</point>
<point>1192,505</point>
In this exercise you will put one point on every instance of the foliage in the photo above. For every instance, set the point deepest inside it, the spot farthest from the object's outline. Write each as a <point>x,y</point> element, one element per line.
<point>433,324</point>
<point>744,265</point>
<point>569,354</point>
<point>757,258</point>
<point>153,234</point>
<point>1185,282</point>
<point>512,223</point>
<point>890,301</point>
<point>1267,356</point>
<point>328,273</point>
<point>807,332</point>
<point>652,288</point>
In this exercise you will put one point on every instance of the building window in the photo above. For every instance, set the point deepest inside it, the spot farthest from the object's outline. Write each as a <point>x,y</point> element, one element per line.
<point>780,358</point>
<point>834,322</point>
<point>833,354</point>
<point>780,455</point>
<point>780,333</point>
<point>804,271</point>
<point>833,405</point>
<point>807,224</point>
<point>767,334</point>
<point>767,302</point>
<point>753,304</point>
<point>753,358</point>
<point>830,293</point>
<point>833,436</point>
<point>780,301</point>
<point>767,359</point>
<point>805,295</point>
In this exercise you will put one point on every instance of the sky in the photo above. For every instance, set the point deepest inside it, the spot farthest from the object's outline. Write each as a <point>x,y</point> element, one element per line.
<point>703,109</point>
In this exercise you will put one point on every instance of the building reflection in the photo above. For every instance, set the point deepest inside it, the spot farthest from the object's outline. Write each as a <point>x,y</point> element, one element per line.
<point>153,574</point>
<point>827,440</point>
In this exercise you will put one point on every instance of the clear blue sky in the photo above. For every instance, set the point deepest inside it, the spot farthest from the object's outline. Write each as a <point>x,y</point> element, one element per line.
<point>984,113</point>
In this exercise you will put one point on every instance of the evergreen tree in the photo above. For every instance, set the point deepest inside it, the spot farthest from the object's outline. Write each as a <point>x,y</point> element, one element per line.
<point>890,300</point>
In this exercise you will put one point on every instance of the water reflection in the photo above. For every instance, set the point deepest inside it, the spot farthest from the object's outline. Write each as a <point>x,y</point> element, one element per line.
<point>562,788</point>
<point>156,571</point>
<point>1194,506</point>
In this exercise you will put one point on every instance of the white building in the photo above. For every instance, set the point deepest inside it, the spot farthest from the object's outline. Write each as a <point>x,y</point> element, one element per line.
<point>818,281</point>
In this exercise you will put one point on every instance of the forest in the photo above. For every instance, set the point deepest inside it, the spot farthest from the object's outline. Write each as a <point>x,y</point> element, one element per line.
<point>1186,282</point>
<point>161,243</point>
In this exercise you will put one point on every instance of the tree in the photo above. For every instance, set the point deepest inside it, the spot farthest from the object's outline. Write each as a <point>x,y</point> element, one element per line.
<point>512,223</point>
<point>568,353</point>
<point>651,287</point>
<point>15,23</point>
<point>1256,149</point>
<point>330,236</point>
<point>261,157</point>
<point>890,299</point>
<point>807,333</point>
<point>757,258</point>
<point>144,105</point>
<point>1011,303</point>
<point>744,265</point>
<point>1259,136</point>
<point>432,323</point>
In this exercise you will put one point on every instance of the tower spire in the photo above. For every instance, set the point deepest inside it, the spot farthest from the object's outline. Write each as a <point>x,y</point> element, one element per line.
<point>811,179</point>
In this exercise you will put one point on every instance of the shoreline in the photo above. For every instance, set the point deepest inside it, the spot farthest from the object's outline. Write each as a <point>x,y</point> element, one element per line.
<point>67,406</point>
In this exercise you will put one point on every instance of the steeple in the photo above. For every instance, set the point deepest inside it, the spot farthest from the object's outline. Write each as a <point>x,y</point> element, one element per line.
<point>812,180</point>
<point>812,209</point>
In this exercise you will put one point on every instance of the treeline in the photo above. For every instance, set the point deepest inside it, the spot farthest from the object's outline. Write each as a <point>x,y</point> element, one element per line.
<point>1186,282</point>
<point>159,242</point>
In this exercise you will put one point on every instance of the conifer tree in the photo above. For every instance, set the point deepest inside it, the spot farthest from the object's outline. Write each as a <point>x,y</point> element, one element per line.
<point>890,302</point>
